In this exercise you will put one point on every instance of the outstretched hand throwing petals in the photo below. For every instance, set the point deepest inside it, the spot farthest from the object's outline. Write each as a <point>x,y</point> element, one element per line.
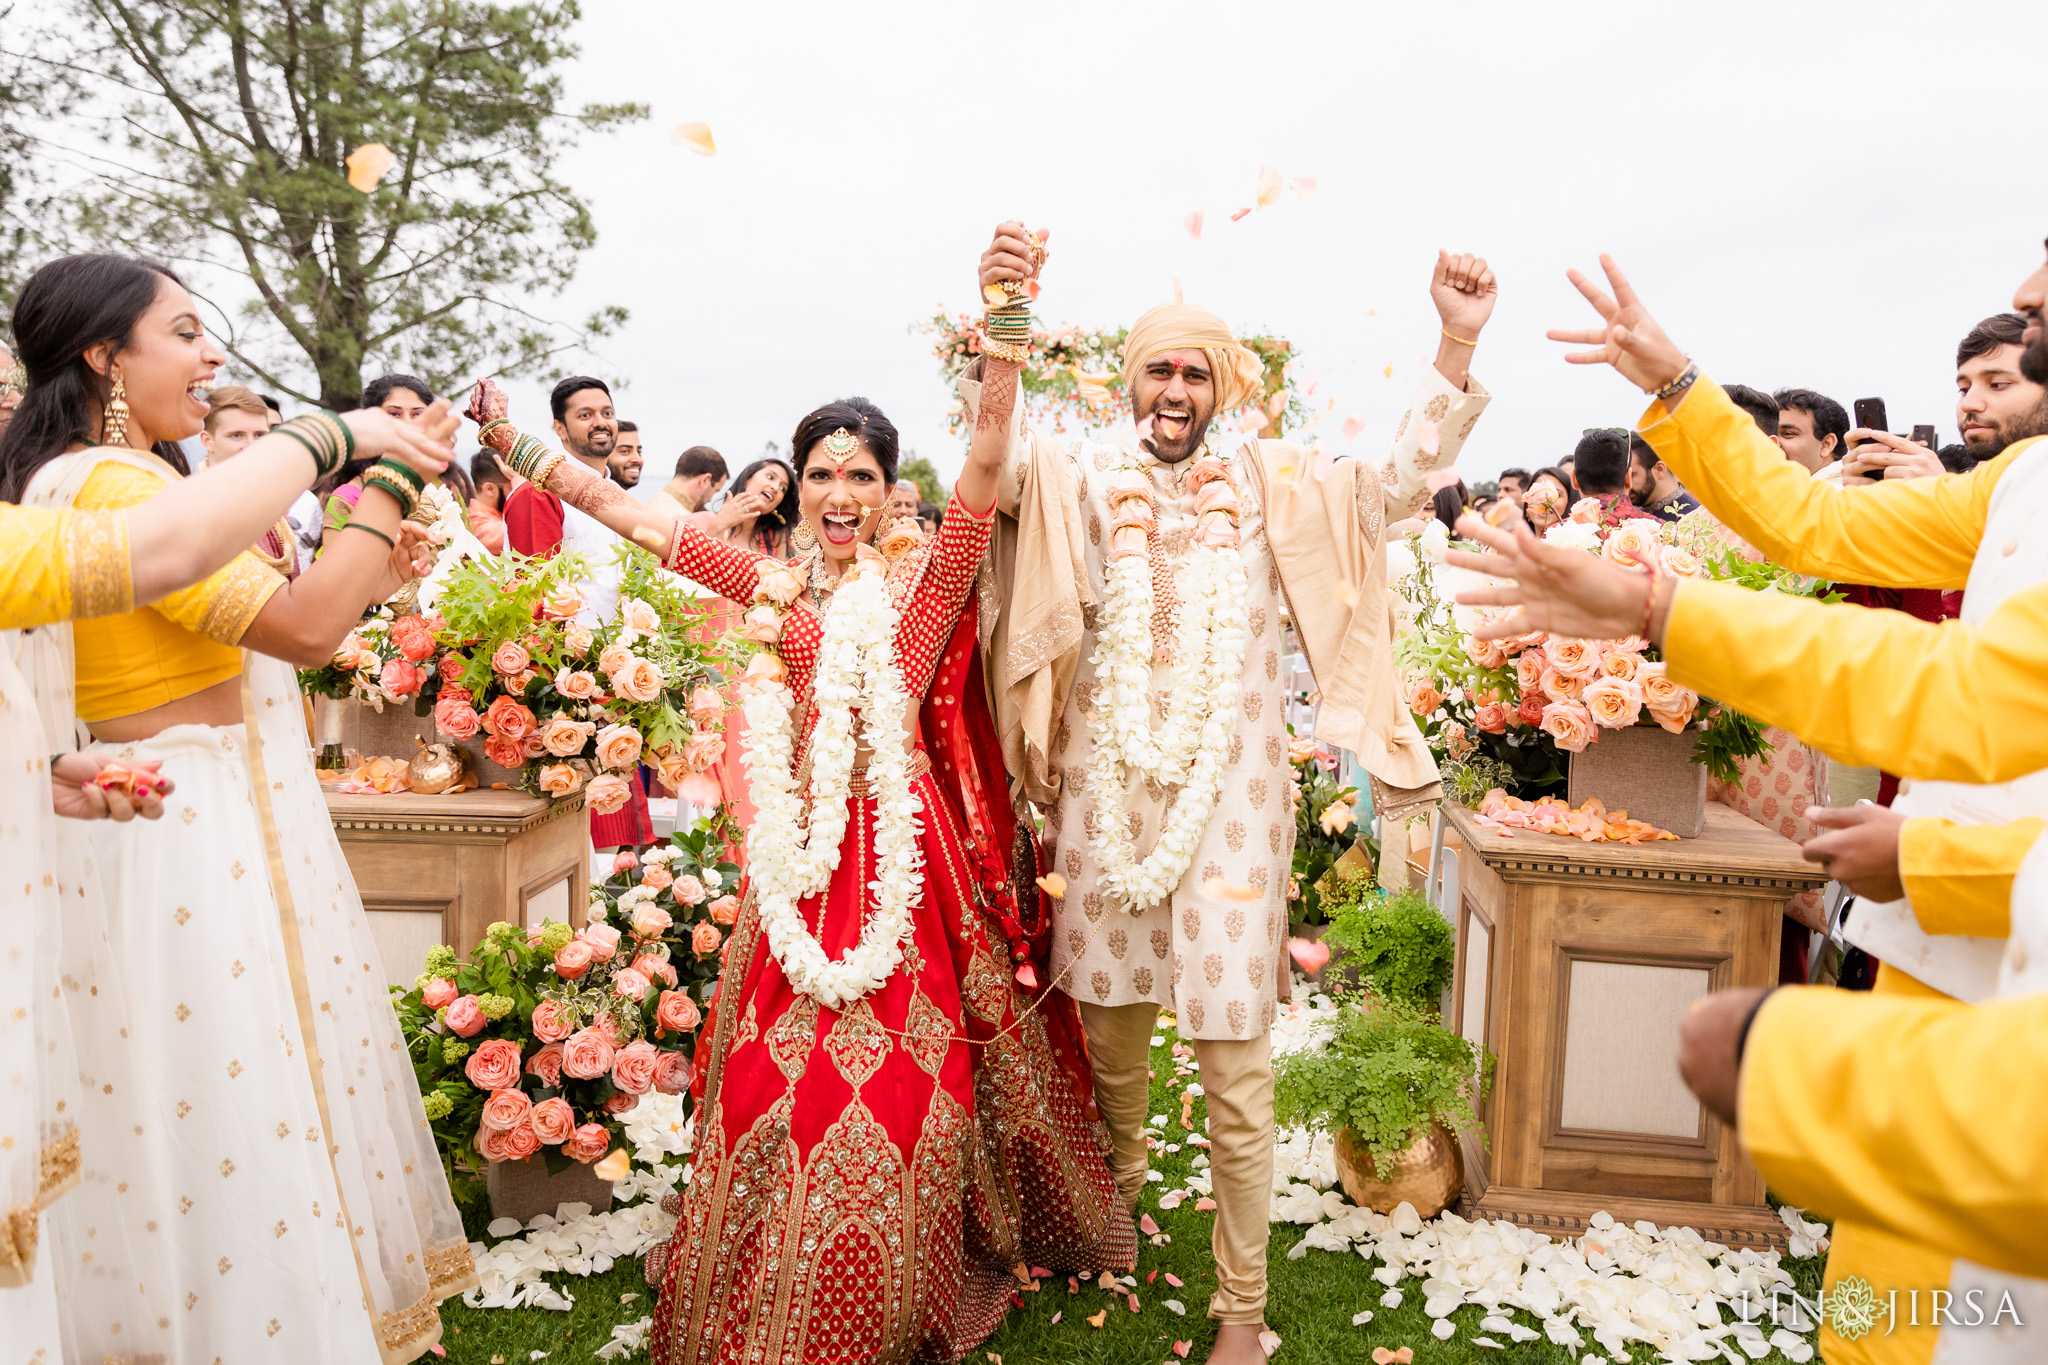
<point>1566,592</point>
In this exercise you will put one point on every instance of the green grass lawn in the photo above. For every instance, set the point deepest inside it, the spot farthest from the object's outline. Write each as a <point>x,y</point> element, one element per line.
<point>1311,1301</point>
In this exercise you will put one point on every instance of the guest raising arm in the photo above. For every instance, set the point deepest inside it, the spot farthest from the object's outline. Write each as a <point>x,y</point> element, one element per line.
<point>1911,533</point>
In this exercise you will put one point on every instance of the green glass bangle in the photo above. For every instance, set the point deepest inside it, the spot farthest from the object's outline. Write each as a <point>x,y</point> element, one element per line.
<point>320,466</point>
<point>407,502</point>
<point>358,526</point>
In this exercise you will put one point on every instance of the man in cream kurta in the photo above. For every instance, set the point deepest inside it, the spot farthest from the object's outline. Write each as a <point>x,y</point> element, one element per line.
<point>1213,950</point>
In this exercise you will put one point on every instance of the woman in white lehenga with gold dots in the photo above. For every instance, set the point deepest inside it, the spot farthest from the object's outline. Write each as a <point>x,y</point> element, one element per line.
<point>258,1180</point>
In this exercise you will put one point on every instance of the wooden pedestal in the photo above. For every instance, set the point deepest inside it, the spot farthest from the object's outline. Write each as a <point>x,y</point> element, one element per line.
<point>1576,965</point>
<point>440,869</point>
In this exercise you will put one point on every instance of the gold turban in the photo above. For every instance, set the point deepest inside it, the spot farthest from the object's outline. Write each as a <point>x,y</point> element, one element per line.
<point>1239,374</point>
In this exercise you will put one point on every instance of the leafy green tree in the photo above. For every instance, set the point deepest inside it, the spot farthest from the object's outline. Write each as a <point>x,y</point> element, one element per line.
<point>225,132</point>
<point>925,475</point>
<point>30,91</point>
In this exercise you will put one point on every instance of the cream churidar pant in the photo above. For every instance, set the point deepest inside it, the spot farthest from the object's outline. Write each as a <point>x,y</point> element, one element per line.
<point>1237,1083</point>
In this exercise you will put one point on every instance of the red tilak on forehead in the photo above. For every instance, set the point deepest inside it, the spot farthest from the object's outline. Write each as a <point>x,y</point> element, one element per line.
<point>1180,367</point>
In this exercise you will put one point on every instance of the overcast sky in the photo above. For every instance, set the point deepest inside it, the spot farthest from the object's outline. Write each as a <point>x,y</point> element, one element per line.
<point>1825,195</point>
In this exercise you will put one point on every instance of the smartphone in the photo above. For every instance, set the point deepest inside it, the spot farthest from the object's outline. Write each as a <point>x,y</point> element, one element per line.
<point>1923,435</point>
<point>1870,415</point>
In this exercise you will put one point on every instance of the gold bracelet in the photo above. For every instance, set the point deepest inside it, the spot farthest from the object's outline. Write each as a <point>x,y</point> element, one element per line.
<point>1460,340</point>
<point>1003,350</point>
<point>545,466</point>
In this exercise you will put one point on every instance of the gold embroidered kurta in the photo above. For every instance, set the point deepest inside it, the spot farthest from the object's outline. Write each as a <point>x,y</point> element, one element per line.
<point>1216,961</point>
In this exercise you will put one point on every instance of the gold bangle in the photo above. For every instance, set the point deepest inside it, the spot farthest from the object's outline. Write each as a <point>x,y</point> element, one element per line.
<point>545,466</point>
<point>1460,340</point>
<point>1003,350</point>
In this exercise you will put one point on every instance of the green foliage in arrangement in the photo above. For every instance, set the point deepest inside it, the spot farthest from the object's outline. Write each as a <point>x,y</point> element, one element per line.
<point>1400,947</point>
<point>1390,1072</point>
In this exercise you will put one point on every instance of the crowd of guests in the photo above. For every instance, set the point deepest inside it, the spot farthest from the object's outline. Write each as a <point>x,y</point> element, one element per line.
<point>1996,405</point>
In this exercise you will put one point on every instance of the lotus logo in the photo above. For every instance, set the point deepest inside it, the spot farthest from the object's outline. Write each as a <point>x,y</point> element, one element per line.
<point>1853,1308</point>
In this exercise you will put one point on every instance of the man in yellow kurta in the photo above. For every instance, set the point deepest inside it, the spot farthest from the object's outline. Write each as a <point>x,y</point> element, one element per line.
<point>1900,697</point>
<point>1176,884</point>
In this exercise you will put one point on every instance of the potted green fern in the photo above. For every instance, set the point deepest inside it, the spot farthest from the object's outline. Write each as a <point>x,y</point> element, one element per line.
<point>1394,1086</point>
<point>1395,944</point>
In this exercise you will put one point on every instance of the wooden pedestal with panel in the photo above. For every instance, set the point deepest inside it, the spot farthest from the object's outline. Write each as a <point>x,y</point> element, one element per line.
<point>441,869</point>
<point>1576,965</point>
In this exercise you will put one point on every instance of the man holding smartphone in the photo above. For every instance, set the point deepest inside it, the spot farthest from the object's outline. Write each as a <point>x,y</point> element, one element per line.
<point>1996,405</point>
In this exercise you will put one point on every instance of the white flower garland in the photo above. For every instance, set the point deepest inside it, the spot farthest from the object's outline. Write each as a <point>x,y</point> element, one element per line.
<point>791,851</point>
<point>1188,751</point>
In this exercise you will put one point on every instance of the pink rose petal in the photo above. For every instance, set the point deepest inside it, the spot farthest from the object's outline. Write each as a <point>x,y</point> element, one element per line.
<point>1193,223</point>
<point>1311,955</point>
<point>1146,1225</point>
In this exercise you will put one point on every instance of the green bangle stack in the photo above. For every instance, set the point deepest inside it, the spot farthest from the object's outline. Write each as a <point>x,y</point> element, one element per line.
<point>401,481</point>
<point>525,456</point>
<point>1007,332</point>
<point>326,438</point>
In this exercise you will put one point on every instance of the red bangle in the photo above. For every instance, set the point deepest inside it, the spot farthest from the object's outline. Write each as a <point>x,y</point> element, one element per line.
<point>1649,603</point>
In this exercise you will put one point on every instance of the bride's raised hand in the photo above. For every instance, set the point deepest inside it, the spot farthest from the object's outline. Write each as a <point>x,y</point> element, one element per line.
<point>1015,253</point>
<point>1629,339</point>
<point>1564,591</point>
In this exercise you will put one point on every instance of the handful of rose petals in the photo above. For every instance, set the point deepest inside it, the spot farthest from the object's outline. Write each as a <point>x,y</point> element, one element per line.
<point>130,782</point>
<point>1592,822</point>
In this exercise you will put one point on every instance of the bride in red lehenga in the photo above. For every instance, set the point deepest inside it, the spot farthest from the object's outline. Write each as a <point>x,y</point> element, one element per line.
<point>895,1108</point>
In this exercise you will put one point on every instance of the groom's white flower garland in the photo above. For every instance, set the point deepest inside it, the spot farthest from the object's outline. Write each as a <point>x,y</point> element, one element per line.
<point>1209,645</point>
<point>792,851</point>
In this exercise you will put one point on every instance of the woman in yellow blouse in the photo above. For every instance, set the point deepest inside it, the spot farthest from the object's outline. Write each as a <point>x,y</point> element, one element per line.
<point>57,565</point>
<point>252,1089</point>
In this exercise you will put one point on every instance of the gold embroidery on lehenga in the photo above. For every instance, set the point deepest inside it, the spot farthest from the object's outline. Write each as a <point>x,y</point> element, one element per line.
<point>927,1036</point>
<point>857,1044</point>
<point>58,1168</point>
<point>791,1037</point>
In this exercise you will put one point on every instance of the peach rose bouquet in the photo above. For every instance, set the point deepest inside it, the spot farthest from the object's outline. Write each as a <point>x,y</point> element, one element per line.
<point>1506,715</point>
<point>511,660</point>
<point>543,1042</point>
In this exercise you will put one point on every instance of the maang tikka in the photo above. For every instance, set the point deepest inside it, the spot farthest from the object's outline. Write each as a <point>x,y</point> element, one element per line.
<point>840,447</point>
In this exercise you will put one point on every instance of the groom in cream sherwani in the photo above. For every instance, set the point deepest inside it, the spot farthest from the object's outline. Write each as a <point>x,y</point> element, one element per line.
<point>1212,949</point>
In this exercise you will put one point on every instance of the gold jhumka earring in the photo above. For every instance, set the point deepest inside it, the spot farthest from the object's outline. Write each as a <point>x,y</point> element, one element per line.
<point>114,416</point>
<point>803,539</point>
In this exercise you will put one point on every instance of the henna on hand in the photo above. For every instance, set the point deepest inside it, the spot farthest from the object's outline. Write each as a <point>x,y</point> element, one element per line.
<point>583,490</point>
<point>998,394</point>
<point>489,404</point>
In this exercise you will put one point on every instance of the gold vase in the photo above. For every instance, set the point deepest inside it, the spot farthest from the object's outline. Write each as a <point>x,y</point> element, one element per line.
<point>1429,1173</point>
